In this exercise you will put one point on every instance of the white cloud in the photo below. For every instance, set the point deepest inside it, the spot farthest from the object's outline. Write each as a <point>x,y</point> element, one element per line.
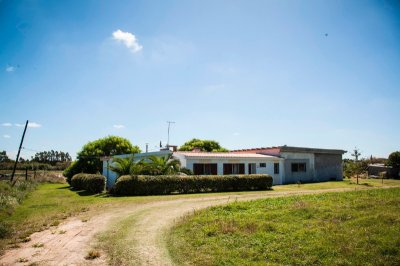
<point>34,125</point>
<point>6,136</point>
<point>6,124</point>
<point>30,124</point>
<point>128,39</point>
<point>10,68</point>
<point>118,126</point>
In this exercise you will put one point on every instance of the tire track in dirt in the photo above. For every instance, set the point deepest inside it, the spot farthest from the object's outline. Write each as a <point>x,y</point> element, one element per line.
<point>69,243</point>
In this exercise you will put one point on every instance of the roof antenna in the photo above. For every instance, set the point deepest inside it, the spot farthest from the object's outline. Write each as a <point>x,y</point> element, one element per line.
<point>169,124</point>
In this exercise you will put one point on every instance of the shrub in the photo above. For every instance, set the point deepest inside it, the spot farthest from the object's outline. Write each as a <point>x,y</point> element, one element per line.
<point>166,184</point>
<point>186,171</point>
<point>4,230</point>
<point>73,169</point>
<point>94,183</point>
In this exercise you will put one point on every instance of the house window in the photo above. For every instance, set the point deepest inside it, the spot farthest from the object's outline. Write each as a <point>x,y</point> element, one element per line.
<point>205,169</point>
<point>263,165</point>
<point>276,168</point>
<point>252,169</point>
<point>298,167</point>
<point>233,168</point>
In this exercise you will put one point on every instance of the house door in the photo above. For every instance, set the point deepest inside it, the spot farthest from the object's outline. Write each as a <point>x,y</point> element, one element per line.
<point>252,169</point>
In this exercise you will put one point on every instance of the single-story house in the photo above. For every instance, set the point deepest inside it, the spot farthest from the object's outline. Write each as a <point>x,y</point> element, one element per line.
<point>284,163</point>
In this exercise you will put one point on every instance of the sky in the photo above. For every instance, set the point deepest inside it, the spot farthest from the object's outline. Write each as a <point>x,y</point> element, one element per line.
<point>322,74</point>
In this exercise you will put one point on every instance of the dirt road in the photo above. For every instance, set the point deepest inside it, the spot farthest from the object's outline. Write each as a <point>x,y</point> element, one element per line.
<point>69,243</point>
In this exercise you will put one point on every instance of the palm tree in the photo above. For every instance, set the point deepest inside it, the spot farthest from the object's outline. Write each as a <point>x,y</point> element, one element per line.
<point>162,165</point>
<point>126,166</point>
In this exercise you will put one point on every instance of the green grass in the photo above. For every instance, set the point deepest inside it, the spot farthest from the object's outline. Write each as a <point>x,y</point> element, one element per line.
<point>350,228</point>
<point>50,204</point>
<point>347,183</point>
<point>117,243</point>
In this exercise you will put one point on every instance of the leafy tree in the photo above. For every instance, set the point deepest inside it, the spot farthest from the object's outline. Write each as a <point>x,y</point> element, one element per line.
<point>203,145</point>
<point>88,159</point>
<point>161,165</point>
<point>126,166</point>
<point>51,157</point>
<point>394,159</point>
<point>4,157</point>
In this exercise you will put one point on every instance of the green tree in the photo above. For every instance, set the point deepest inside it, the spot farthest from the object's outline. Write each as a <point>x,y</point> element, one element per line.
<point>4,157</point>
<point>88,159</point>
<point>161,165</point>
<point>203,145</point>
<point>126,166</point>
<point>394,159</point>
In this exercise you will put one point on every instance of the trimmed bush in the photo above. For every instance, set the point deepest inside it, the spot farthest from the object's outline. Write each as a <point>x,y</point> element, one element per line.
<point>94,183</point>
<point>166,184</point>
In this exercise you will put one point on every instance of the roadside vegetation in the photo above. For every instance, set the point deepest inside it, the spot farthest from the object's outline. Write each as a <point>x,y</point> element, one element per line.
<point>360,228</point>
<point>10,198</point>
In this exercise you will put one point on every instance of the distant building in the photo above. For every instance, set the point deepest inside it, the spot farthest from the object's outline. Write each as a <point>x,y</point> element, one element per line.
<point>377,168</point>
<point>284,163</point>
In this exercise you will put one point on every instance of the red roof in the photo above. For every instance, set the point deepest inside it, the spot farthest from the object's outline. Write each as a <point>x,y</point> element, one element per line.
<point>222,155</point>
<point>274,151</point>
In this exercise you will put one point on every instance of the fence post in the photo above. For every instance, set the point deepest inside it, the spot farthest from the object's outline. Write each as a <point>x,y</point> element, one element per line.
<point>26,173</point>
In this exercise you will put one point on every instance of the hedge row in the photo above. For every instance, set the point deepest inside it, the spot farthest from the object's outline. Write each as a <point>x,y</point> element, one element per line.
<point>94,183</point>
<point>161,185</point>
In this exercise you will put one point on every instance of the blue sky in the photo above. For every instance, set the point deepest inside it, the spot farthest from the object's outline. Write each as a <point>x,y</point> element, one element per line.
<point>245,73</point>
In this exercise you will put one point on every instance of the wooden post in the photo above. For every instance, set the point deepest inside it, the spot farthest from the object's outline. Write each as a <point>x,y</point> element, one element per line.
<point>19,150</point>
<point>26,173</point>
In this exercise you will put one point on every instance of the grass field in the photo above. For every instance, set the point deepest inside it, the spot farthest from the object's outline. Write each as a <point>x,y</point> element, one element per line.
<point>350,228</point>
<point>50,204</point>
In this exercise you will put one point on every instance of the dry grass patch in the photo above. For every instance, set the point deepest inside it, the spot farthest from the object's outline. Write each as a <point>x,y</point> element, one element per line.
<point>93,254</point>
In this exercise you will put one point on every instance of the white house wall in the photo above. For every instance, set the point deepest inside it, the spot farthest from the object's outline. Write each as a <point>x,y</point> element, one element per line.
<point>269,169</point>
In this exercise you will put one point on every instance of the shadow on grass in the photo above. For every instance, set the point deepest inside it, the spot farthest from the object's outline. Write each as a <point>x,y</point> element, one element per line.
<point>85,192</point>
<point>64,187</point>
<point>88,193</point>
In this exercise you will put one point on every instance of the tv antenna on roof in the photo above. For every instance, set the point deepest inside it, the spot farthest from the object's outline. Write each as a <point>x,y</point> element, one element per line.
<point>169,125</point>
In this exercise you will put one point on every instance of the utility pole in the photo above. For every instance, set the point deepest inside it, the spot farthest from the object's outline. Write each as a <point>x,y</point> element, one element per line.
<point>169,124</point>
<point>19,150</point>
<point>355,155</point>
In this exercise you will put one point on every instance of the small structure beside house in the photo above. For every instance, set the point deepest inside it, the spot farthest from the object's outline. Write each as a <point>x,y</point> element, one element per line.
<point>284,163</point>
<point>305,164</point>
<point>377,168</point>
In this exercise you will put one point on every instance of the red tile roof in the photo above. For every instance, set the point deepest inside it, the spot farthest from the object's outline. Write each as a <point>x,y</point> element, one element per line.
<point>222,155</point>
